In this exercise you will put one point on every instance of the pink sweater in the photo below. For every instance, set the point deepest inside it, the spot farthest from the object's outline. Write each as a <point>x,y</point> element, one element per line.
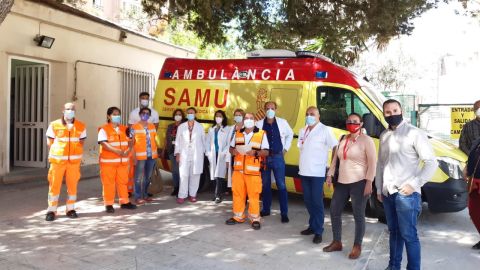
<point>360,162</point>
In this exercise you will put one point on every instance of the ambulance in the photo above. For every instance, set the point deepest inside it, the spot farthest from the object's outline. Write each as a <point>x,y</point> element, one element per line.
<point>295,81</point>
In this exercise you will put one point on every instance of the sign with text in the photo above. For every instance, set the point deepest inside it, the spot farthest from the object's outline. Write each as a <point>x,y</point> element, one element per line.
<point>459,116</point>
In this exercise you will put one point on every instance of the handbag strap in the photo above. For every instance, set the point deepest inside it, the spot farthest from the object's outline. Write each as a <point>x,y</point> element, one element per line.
<point>478,160</point>
<point>334,155</point>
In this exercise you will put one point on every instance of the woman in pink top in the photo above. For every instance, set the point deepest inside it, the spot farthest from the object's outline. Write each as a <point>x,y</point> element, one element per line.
<point>358,159</point>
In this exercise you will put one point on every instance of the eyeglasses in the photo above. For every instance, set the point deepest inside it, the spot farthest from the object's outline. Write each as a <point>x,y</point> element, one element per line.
<point>353,122</point>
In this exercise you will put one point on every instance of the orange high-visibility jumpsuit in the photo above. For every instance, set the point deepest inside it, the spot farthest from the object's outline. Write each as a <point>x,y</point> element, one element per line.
<point>114,168</point>
<point>247,180</point>
<point>66,150</point>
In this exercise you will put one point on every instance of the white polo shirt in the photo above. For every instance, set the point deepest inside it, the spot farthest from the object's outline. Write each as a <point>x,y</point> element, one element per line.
<point>135,117</point>
<point>314,146</point>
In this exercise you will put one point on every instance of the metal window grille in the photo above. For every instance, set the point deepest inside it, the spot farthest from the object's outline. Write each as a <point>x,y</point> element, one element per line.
<point>133,83</point>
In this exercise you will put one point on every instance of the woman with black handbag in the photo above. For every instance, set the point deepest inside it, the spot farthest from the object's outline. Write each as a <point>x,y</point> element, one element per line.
<point>356,169</point>
<point>472,171</point>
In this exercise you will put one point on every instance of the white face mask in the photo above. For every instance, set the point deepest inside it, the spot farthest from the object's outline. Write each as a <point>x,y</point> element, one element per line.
<point>238,118</point>
<point>69,114</point>
<point>177,118</point>
<point>477,112</point>
<point>249,123</point>
<point>144,102</point>
<point>218,120</point>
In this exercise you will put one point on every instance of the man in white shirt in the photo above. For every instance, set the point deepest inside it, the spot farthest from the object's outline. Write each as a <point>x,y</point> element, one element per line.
<point>280,136</point>
<point>134,117</point>
<point>314,141</point>
<point>400,176</point>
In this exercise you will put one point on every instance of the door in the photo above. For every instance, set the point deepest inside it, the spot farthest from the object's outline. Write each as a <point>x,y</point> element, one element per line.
<point>30,115</point>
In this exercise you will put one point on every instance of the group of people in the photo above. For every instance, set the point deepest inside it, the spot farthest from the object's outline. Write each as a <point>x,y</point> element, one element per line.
<point>248,155</point>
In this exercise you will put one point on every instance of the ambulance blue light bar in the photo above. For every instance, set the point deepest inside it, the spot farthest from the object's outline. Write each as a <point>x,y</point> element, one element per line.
<point>167,75</point>
<point>321,74</point>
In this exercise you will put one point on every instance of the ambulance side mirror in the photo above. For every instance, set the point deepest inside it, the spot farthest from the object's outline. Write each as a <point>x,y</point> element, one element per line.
<point>372,126</point>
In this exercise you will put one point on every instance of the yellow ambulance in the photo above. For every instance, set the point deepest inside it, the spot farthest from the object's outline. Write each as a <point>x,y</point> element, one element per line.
<point>295,81</point>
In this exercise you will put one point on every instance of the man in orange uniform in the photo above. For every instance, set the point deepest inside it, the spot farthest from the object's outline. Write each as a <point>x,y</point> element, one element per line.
<point>65,138</point>
<point>114,160</point>
<point>248,147</point>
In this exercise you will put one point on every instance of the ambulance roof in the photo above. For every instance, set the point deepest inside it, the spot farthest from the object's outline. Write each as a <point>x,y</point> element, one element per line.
<point>258,69</point>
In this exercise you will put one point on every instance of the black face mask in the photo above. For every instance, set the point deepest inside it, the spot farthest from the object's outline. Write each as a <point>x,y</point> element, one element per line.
<point>394,120</point>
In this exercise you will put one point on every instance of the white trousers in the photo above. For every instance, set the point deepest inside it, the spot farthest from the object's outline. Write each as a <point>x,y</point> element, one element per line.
<point>188,183</point>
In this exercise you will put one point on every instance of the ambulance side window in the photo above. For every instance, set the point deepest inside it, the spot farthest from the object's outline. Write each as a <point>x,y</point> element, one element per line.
<point>335,104</point>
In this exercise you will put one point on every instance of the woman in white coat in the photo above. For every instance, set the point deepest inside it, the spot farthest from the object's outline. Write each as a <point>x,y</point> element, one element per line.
<point>217,146</point>
<point>189,151</point>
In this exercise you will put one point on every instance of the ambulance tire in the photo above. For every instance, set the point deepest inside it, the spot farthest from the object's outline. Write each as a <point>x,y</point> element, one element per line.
<point>205,177</point>
<point>375,207</point>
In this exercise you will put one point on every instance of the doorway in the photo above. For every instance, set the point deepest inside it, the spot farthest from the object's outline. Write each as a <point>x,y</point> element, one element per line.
<point>29,92</point>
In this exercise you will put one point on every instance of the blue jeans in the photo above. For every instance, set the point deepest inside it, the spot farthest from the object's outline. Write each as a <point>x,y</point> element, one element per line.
<point>402,213</point>
<point>313,198</point>
<point>175,171</point>
<point>143,172</point>
<point>275,163</point>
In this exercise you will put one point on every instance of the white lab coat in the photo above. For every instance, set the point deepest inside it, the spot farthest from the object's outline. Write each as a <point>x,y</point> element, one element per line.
<point>218,165</point>
<point>182,142</point>
<point>286,132</point>
<point>228,157</point>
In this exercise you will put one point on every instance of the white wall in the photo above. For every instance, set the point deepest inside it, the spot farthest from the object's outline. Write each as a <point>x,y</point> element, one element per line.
<point>76,38</point>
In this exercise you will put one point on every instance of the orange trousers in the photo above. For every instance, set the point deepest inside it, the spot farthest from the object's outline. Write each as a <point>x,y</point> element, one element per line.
<point>114,176</point>
<point>243,185</point>
<point>71,171</point>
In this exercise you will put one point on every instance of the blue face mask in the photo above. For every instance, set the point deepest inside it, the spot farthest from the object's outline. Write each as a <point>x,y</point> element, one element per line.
<point>270,113</point>
<point>116,119</point>
<point>310,120</point>
<point>69,114</point>
<point>144,116</point>
<point>190,117</point>
<point>238,119</point>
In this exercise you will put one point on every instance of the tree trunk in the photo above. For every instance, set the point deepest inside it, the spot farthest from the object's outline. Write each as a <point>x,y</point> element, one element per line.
<point>5,6</point>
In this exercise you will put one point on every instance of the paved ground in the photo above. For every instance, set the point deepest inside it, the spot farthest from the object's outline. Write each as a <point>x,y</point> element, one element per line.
<point>164,235</point>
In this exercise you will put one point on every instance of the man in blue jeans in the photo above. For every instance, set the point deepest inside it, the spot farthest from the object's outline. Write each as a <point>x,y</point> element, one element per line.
<point>280,136</point>
<point>399,179</point>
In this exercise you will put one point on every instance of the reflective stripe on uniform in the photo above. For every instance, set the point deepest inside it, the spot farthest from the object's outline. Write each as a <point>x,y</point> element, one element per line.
<point>53,198</point>
<point>255,145</point>
<point>118,143</point>
<point>104,160</point>
<point>67,139</point>
<point>65,157</point>
<point>141,154</point>
<point>52,209</point>
<point>70,206</point>
<point>72,197</point>
<point>252,168</point>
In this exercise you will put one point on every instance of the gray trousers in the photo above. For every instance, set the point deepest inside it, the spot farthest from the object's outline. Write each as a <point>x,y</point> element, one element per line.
<point>340,198</point>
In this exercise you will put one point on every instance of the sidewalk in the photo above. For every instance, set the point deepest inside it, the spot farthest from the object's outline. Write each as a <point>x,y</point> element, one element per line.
<point>164,235</point>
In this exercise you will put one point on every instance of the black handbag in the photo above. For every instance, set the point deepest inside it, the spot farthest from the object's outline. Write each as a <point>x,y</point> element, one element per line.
<point>337,164</point>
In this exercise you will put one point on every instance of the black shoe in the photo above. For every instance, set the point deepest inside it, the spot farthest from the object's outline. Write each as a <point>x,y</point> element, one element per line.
<point>285,219</point>
<point>72,214</point>
<point>317,239</point>
<point>231,221</point>
<point>218,200</point>
<point>264,213</point>
<point>256,225</point>
<point>307,231</point>
<point>109,209</point>
<point>476,246</point>
<point>50,216</point>
<point>128,206</point>
<point>150,195</point>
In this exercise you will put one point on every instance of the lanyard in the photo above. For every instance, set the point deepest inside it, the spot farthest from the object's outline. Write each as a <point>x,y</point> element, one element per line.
<point>346,147</point>
<point>190,130</point>
<point>307,132</point>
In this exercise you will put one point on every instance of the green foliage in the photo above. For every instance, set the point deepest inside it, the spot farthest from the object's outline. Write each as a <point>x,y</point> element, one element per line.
<point>342,26</point>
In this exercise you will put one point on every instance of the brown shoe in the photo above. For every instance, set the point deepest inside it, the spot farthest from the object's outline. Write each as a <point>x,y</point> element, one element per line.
<point>356,251</point>
<point>334,246</point>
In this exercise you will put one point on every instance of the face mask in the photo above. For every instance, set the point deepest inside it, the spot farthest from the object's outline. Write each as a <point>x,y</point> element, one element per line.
<point>190,117</point>
<point>353,127</point>
<point>116,119</point>
<point>69,114</point>
<point>477,112</point>
<point>270,113</point>
<point>310,120</point>
<point>249,123</point>
<point>144,117</point>
<point>218,120</point>
<point>238,118</point>
<point>144,102</point>
<point>394,120</point>
<point>177,118</point>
